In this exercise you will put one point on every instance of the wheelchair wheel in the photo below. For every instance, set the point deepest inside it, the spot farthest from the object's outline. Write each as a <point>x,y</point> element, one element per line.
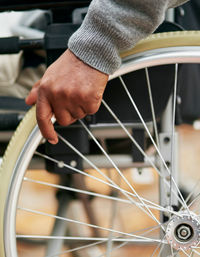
<point>129,172</point>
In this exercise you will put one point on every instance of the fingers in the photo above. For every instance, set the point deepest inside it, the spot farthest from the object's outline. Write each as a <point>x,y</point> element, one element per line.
<point>69,89</point>
<point>32,96</point>
<point>44,114</point>
<point>77,112</point>
<point>65,111</point>
<point>64,117</point>
<point>65,114</point>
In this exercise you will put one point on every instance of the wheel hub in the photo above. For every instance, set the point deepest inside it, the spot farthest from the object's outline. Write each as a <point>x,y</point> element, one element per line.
<point>183,231</point>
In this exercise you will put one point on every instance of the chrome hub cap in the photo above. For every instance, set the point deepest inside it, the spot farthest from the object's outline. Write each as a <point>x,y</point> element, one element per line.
<point>183,232</point>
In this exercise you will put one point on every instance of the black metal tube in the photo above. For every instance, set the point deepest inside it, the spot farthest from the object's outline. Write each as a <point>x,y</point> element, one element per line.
<point>31,44</point>
<point>13,45</point>
<point>16,5</point>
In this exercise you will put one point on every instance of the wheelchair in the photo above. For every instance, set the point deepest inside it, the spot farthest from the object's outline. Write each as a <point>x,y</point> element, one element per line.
<point>114,177</point>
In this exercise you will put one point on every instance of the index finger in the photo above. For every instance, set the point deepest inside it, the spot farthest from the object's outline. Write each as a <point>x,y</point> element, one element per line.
<point>32,96</point>
<point>44,114</point>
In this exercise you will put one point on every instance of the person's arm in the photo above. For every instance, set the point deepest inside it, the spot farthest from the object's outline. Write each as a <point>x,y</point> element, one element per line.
<point>72,87</point>
<point>112,26</point>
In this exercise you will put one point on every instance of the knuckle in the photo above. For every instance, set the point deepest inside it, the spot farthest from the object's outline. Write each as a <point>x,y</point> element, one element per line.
<point>98,96</point>
<point>44,83</point>
<point>43,89</point>
<point>78,115</point>
<point>55,92</point>
<point>63,122</point>
<point>64,119</point>
<point>92,108</point>
<point>41,118</point>
<point>73,95</point>
<point>76,95</point>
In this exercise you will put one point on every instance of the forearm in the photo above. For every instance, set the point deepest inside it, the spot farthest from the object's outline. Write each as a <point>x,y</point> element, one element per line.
<point>112,26</point>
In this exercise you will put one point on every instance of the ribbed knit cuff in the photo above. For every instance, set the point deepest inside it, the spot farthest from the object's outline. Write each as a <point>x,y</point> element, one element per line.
<point>94,47</point>
<point>113,26</point>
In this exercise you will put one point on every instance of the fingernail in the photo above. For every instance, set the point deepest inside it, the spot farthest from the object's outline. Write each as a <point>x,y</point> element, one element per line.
<point>53,141</point>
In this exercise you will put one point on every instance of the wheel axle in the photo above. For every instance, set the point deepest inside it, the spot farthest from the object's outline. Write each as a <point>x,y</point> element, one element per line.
<point>183,231</point>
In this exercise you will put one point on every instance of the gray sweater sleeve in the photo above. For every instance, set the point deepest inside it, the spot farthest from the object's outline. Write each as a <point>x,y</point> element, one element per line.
<point>112,26</point>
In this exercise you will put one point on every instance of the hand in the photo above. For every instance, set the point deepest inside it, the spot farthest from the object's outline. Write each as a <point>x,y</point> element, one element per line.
<point>69,90</point>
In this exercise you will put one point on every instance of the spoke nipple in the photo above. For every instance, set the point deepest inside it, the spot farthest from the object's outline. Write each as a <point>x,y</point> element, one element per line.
<point>179,100</point>
<point>61,164</point>
<point>73,163</point>
<point>43,141</point>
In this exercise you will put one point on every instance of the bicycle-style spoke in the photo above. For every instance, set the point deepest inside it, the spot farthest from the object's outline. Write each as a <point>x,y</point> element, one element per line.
<point>182,250</point>
<point>141,119</point>
<point>75,249</point>
<point>131,138</point>
<point>109,245</point>
<point>120,173</point>
<point>150,136</point>
<point>195,251</point>
<point>161,246</point>
<point>146,239</point>
<point>140,232</point>
<point>181,199</point>
<point>112,198</point>
<point>191,194</point>
<point>161,249</point>
<point>152,106</point>
<point>113,184</point>
<point>83,239</point>
<point>197,246</point>
<point>173,132</point>
<point>191,253</point>
<point>156,249</point>
<point>115,239</point>
<point>150,214</point>
<point>126,243</point>
<point>149,203</point>
<point>194,201</point>
<point>172,250</point>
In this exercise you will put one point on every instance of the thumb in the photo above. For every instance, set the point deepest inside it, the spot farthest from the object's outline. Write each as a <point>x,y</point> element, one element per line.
<point>32,96</point>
